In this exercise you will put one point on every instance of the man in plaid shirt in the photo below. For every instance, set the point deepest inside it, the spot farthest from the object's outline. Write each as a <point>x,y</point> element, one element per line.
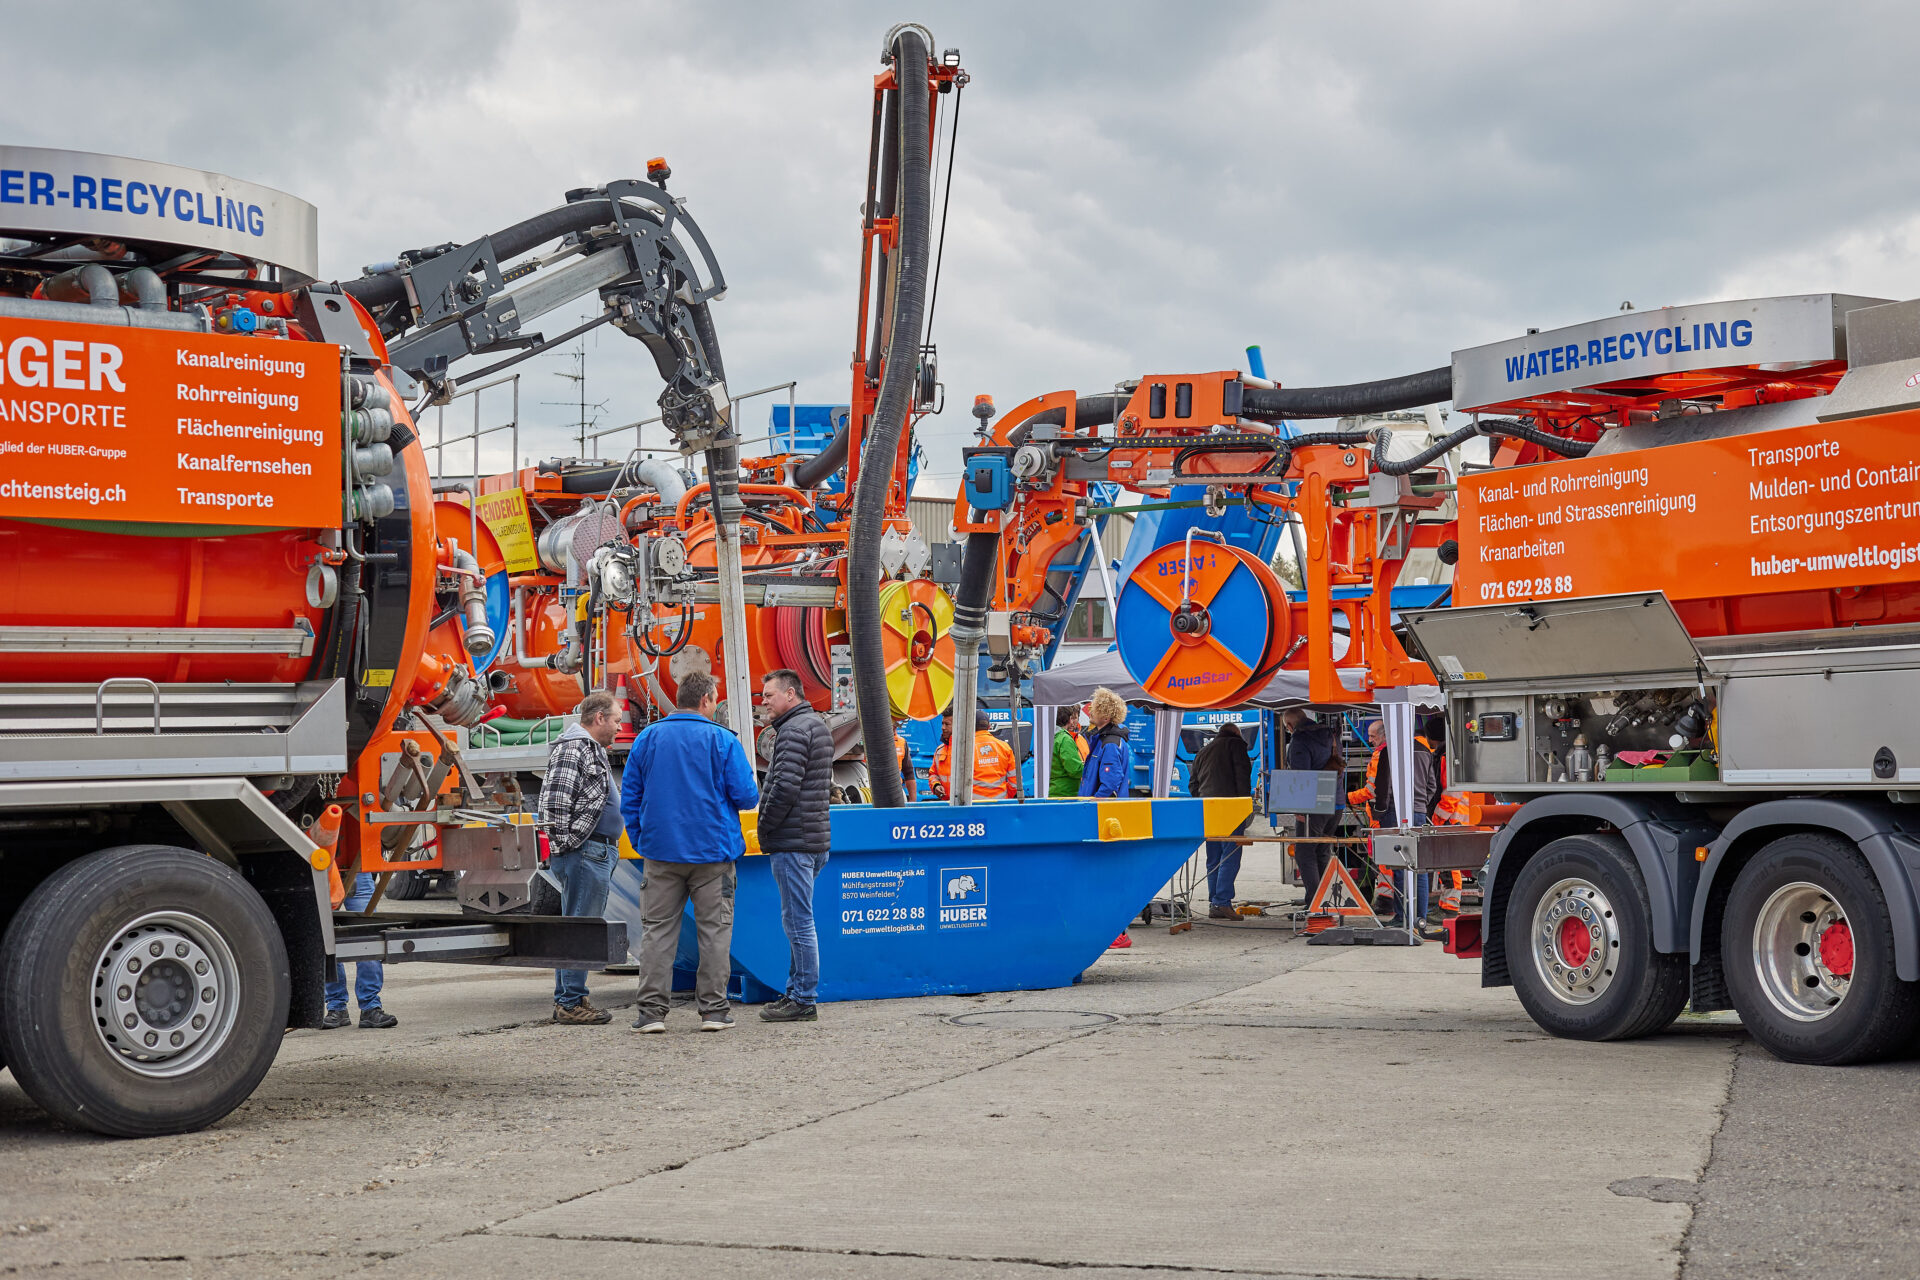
<point>580,808</point>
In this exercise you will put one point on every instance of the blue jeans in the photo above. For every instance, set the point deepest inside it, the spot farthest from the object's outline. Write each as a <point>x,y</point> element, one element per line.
<point>583,875</point>
<point>1223,867</point>
<point>794,873</point>
<point>368,975</point>
<point>1399,896</point>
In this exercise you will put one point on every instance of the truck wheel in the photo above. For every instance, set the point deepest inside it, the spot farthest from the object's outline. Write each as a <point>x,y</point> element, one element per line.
<point>143,991</point>
<point>407,886</point>
<point>1580,944</point>
<point>1807,945</point>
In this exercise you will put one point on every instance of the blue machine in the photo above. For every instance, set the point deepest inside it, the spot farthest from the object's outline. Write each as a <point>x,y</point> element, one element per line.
<point>812,426</point>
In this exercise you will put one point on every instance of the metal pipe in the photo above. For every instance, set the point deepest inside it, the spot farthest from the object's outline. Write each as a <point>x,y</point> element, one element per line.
<point>663,478</point>
<point>476,632</point>
<point>143,288</point>
<point>91,283</point>
<point>86,313</point>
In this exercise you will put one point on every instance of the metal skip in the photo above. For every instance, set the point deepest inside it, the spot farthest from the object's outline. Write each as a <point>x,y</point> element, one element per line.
<point>947,899</point>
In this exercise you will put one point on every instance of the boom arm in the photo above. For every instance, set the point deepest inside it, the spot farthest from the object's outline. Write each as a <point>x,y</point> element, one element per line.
<point>629,241</point>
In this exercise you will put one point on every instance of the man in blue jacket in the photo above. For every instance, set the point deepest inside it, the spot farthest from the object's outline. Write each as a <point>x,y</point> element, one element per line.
<point>687,781</point>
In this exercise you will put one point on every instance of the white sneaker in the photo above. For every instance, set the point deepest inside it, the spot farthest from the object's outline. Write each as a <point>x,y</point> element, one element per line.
<point>650,1028</point>
<point>717,1022</point>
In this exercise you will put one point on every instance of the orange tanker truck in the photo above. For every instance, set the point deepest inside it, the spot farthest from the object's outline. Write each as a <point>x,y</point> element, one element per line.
<point>242,639</point>
<point>1684,632</point>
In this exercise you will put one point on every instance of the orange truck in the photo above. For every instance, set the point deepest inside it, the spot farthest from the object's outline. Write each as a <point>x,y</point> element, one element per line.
<point>1680,654</point>
<point>244,635</point>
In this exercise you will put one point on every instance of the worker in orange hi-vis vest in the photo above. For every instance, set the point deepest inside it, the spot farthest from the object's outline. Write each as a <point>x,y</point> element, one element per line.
<point>903,760</point>
<point>996,773</point>
<point>1453,809</point>
<point>1363,796</point>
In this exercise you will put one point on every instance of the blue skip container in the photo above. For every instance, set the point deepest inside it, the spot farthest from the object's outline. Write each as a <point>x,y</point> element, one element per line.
<point>945,900</point>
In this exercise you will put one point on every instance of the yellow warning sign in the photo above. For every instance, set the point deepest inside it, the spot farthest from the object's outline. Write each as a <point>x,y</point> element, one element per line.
<point>505,513</point>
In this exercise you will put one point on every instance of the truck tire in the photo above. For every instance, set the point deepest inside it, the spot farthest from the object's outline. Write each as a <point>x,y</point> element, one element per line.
<point>408,886</point>
<point>1807,946</point>
<point>143,991</point>
<point>1580,943</point>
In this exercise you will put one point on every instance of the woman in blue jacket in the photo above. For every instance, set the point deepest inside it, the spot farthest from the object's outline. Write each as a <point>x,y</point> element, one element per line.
<point>1109,767</point>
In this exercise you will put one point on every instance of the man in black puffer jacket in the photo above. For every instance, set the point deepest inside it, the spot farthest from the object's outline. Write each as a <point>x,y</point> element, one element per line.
<point>794,829</point>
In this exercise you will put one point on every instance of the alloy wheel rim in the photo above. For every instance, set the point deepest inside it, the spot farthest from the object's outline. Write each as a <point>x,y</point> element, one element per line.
<point>1803,951</point>
<point>1576,941</point>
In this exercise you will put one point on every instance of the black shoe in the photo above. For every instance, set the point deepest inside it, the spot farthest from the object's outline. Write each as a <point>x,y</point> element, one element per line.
<point>721,1021</point>
<point>377,1018</point>
<point>336,1018</point>
<point>785,1010</point>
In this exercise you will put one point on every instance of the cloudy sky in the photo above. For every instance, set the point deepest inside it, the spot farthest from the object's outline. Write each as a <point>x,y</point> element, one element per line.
<point>1361,188</point>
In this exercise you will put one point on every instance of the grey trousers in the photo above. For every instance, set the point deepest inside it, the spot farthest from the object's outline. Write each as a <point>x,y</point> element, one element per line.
<point>662,903</point>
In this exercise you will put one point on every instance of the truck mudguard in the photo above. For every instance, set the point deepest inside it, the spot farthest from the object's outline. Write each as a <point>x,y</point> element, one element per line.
<point>1661,835</point>
<point>1889,839</point>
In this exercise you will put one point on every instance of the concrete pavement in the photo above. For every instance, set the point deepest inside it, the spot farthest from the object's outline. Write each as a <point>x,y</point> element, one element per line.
<point>1259,1108</point>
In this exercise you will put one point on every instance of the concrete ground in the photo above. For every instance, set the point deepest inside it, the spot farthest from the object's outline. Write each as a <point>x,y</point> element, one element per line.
<point>1258,1108</point>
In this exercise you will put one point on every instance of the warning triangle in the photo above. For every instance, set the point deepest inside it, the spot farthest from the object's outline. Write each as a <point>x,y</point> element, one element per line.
<point>1335,885</point>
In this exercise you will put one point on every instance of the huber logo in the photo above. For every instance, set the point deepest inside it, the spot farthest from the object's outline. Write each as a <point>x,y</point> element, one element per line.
<point>963,897</point>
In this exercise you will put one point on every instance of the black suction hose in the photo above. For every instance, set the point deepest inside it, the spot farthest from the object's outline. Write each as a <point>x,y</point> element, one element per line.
<point>1532,435</point>
<point>1407,466</point>
<point>815,470</point>
<point>1560,445</point>
<point>1354,400</point>
<point>723,458</point>
<point>908,314</point>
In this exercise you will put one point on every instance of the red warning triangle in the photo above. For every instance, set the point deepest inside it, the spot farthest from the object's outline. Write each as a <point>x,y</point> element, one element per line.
<point>1336,884</point>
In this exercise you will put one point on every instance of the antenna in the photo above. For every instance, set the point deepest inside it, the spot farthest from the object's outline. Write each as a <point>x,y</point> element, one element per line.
<point>579,377</point>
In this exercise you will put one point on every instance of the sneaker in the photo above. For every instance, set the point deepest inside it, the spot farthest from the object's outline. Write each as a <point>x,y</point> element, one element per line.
<point>648,1026</point>
<point>785,1010</point>
<point>336,1018</point>
<point>1220,912</point>
<point>581,1015</point>
<point>377,1018</point>
<point>721,1021</point>
<point>1122,941</point>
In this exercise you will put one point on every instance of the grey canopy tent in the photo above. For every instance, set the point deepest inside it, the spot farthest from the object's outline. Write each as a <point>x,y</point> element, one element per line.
<point>1076,681</point>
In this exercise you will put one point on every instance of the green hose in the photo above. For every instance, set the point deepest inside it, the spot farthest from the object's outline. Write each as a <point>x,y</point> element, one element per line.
<point>505,732</point>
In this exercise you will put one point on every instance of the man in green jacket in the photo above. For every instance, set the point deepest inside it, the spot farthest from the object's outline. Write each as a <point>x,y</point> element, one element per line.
<point>1069,756</point>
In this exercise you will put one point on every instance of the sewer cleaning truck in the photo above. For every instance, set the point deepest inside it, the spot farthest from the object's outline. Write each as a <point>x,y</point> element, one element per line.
<point>243,634</point>
<point>1678,663</point>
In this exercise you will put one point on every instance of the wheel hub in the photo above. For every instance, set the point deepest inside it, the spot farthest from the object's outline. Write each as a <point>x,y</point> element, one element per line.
<point>166,990</point>
<point>1803,951</point>
<point>1576,941</point>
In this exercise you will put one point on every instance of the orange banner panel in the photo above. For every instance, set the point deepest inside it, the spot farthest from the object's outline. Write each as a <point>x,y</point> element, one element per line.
<point>1802,508</point>
<point>101,422</point>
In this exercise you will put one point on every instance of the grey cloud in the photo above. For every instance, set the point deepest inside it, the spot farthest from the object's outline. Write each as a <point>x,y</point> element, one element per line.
<point>1361,188</point>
